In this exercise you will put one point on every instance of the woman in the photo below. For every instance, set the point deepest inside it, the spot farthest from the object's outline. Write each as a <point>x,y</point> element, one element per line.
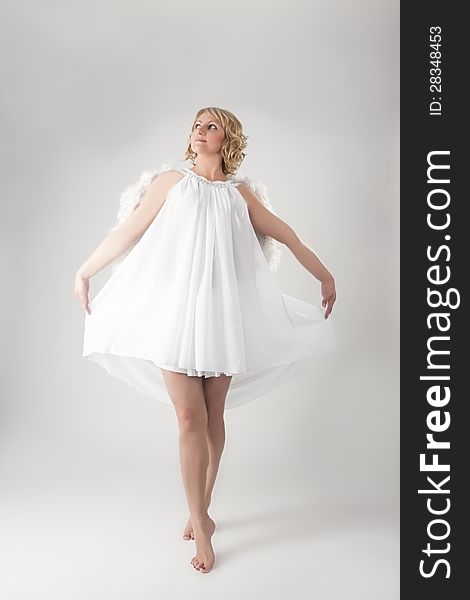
<point>193,315</point>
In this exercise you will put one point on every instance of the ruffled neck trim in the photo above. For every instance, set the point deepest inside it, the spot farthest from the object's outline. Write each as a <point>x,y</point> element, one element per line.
<point>216,182</point>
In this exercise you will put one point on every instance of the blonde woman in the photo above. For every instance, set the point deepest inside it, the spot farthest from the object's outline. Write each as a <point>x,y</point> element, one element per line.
<point>193,316</point>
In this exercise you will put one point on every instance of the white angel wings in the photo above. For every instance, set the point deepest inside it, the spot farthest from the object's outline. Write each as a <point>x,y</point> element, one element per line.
<point>133,195</point>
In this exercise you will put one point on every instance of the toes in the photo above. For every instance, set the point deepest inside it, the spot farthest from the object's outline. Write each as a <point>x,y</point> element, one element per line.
<point>200,565</point>
<point>188,533</point>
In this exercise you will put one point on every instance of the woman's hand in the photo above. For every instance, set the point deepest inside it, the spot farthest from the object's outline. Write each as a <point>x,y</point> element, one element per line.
<point>82,286</point>
<point>328,293</point>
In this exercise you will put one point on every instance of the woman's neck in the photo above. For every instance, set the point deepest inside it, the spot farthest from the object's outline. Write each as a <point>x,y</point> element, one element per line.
<point>210,171</point>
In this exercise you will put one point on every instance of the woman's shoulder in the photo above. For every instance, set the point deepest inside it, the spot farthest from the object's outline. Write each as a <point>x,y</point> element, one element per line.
<point>251,189</point>
<point>170,174</point>
<point>167,178</point>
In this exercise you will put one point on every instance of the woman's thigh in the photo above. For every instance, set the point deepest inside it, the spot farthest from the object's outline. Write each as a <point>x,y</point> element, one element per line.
<point>215,391</point>
<point>186,393</point>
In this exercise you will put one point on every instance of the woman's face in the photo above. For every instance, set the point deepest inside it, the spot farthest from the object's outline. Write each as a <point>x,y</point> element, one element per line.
<point>207,135</point>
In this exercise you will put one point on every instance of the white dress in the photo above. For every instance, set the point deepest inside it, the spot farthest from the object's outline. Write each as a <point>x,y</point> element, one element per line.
<point>196,295</point>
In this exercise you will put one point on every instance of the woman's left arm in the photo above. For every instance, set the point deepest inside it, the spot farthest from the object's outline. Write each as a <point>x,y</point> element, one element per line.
<point>266,222</point>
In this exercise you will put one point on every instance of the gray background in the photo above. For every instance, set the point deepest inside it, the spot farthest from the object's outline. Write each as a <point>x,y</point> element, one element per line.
<point>92,503</point>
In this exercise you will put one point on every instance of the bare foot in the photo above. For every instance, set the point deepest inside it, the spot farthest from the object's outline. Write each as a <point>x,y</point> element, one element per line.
<point>205,557</point>
<point>189,531</point>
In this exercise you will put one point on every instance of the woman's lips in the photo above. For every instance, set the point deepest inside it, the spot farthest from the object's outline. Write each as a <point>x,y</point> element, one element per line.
<point>200,141</point>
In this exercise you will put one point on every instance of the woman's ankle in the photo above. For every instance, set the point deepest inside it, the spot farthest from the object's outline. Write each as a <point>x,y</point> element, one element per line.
<point>199,518</point>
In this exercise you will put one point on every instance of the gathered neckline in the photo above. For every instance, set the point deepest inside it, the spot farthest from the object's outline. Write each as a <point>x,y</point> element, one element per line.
<point>216,182</point>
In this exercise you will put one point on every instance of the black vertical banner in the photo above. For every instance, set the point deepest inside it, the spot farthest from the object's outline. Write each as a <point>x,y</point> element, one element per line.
<point>435,258</point>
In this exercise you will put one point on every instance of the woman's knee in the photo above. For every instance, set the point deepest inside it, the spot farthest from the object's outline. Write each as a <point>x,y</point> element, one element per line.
<point>187,396</point>
<point>191,417</point>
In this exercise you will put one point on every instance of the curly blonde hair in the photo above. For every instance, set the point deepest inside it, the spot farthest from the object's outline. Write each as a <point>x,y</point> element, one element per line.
<point>234,143</point>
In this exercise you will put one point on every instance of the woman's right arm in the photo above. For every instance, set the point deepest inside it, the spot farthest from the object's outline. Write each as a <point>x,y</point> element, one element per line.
<point>119,239</point>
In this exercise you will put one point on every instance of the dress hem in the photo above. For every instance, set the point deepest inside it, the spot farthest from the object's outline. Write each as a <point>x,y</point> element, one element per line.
<point>192,372</point>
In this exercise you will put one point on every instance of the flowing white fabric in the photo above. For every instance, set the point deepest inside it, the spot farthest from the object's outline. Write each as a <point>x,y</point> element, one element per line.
<point>196,295</point>
<point>134,194</point>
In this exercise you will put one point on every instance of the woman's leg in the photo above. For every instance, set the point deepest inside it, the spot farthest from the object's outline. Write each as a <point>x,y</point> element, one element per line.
<point>215,391</point>
<point>186,394</point>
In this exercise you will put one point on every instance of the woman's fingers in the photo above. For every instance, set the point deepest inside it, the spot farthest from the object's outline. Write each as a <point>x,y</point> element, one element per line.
<point>329,305</point>
<point>82,295</point>
<point>329,297</point>
<point>86,303</point>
